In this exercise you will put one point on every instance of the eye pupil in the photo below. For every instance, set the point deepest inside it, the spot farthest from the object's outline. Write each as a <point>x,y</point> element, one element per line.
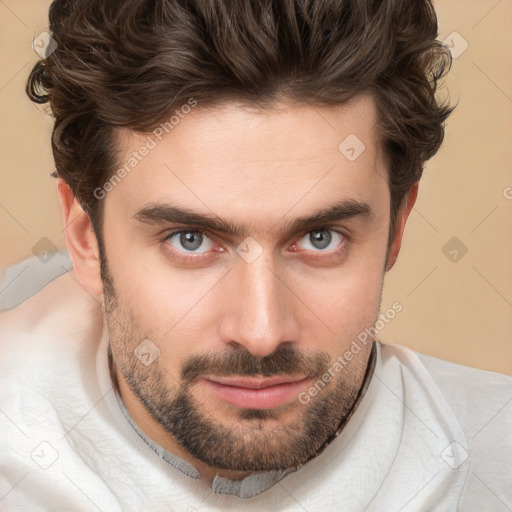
<point>320,238</point>
<point>191,240</point>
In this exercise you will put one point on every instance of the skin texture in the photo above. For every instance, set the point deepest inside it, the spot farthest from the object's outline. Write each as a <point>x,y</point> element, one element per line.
<point>291,311</point>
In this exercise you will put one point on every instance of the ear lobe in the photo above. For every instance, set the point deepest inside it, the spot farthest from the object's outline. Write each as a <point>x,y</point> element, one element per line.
<point>81,240</point>
<point>400,222</point>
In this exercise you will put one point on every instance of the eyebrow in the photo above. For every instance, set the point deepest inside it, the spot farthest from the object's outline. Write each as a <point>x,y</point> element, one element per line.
<point>158,213</point>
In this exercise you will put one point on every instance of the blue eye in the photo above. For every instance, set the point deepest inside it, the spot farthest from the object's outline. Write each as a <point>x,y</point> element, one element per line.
<point>188,240</point>
<point>320,239</point>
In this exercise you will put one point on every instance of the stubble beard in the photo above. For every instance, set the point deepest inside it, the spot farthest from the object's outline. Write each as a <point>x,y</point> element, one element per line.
<point>258,439</point>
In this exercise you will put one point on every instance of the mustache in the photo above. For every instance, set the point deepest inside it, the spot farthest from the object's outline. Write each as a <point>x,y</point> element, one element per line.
<point>284,360</point>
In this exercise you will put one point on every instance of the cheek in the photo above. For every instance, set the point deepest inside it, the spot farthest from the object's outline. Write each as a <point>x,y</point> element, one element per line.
<point>175,308</point>
<point>341,302</point>
<point>344,307</point>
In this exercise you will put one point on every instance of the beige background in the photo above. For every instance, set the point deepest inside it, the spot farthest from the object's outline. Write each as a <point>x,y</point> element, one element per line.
<point>460,311</point>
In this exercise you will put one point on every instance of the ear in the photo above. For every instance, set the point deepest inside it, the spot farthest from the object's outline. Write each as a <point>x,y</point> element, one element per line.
<point>81,240</point>
<point>401,219</point>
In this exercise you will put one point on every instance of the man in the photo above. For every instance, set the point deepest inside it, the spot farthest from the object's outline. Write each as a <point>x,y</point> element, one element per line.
<point>235,179</point>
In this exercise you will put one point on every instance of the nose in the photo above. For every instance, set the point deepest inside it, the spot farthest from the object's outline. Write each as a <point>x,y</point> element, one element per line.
<point>258,308</point>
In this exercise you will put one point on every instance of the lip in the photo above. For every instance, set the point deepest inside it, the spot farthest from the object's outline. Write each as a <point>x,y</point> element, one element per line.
<point>256,393</point>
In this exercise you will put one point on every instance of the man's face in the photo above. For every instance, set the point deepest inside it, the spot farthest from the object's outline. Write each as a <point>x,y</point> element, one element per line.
<point>218,332</point>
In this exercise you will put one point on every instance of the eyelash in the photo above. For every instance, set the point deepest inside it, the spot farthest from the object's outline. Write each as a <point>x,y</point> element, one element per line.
<point>321,256</point>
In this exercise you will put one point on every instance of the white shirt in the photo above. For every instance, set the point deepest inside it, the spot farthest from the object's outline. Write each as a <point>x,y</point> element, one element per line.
<point>428,435</point>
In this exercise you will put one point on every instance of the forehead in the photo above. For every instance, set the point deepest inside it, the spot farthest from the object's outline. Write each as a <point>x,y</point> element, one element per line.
<point>255,164</point>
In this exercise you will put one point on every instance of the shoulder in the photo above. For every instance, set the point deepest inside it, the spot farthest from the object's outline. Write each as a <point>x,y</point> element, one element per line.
<point>47,354</point>
<point>59,308</point>
<point>477,396</point>
<point>472,393</point>
<point>47,338</point>
<point>481,402</point>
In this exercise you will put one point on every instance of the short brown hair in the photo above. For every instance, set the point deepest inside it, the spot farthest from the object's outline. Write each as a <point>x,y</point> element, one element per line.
<point>131,63</point>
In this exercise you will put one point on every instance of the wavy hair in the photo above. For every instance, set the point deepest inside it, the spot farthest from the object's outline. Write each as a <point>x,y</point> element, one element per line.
<point>129,63</point>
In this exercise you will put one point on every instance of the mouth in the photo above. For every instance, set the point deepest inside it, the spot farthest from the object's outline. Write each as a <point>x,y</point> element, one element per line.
<point>257,393</point>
